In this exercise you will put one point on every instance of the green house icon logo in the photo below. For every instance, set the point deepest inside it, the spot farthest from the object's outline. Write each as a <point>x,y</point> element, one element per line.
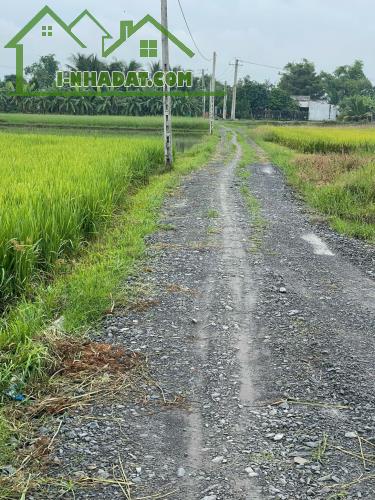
<point>128,30</point>
<point>47,31</point>
<point>149,48</point>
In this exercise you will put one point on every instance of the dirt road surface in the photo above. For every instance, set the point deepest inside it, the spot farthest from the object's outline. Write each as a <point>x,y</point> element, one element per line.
<point>260,337</point>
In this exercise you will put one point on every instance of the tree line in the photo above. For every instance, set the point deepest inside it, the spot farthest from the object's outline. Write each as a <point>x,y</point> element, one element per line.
<point>347,87</point>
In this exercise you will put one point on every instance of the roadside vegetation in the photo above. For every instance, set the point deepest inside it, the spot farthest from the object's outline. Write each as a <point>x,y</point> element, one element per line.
<point>77,226</point>
<point>253,206</point>
<point>48,263</point>
<point>336,173</point>
<point>347,87</point>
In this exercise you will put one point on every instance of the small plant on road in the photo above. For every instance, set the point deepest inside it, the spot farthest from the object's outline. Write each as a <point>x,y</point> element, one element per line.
<point>212,214</point>
<point>320,452</point>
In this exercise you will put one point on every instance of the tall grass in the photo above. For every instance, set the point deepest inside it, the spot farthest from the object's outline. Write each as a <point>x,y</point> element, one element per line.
<point>321,140</point>
<point>55,193</point>
<point>90,288</point>
<point>350,201</point>
<point>338,179</point>
<point>117,122</point>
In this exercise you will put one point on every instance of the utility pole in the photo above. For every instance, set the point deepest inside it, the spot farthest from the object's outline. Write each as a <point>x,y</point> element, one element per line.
<point>212,97</point>
<point>225,101</point>
<point>234,98</point>
<point>167,100</point>
<point>204,97</point>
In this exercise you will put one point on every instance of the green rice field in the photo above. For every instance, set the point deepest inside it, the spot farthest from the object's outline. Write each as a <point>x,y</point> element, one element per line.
<point>322,139</point>
<point>334,168</point>
<point>115,122</point>
<point>56,192</point>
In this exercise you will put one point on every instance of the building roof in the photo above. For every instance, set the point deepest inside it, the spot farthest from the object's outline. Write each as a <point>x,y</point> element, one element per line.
<point>301,97</point>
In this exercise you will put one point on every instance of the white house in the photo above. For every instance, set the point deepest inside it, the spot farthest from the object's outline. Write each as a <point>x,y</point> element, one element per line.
<point>317,110</point>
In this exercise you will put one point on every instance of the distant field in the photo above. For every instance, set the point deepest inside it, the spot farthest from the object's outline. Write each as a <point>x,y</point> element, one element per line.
<point>55,192</point>
<point>322,139</point>
<point>333,167</point>
<point>116,122</point>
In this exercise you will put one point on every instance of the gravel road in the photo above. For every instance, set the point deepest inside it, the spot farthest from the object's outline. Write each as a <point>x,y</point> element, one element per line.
<point>261,334</point>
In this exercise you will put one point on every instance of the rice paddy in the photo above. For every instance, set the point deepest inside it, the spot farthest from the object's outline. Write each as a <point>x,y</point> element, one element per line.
<point>56,192</point>
<point>74,213</point>
<point>336,172</point>
<point>322,139</point>
<point>108,122</point>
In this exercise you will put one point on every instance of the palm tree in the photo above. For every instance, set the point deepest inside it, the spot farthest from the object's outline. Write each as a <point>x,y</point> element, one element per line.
<point>68,105</point>
<point>357,107</point>
<point>3,101</point>
<point>132,66</point>
<point>83,105</point>
<point>81,62</point>
<point>116,66</point>
<point>104,105</point>
<point>44,105</point>
<point>155,67</point>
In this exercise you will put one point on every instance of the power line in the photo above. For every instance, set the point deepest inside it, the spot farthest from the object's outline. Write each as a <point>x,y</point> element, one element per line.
<point>262,65</point>
<point>223,74</point>
<point>190,33</point>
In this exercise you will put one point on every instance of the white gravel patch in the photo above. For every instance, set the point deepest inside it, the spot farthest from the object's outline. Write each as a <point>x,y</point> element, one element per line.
<point>319,246</point>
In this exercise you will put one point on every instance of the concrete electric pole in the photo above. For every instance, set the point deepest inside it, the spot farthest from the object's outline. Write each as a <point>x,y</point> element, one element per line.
<point>212,97</point>
<point>204,97</point>
<point>225,101</point>
<point>167,100</point>
<point>234,98</point>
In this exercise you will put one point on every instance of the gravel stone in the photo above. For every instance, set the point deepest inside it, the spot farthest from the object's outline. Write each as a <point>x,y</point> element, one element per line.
<point>223,394</point>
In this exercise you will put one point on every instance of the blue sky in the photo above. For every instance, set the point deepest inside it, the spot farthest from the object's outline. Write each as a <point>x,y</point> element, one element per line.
<point>272,32</point>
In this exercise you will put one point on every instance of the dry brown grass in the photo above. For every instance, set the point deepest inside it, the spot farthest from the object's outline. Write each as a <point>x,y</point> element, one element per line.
<point>82,373</point>
<point>176,288</point>
<point>143,305</point>
<point>324,169</point>
<point>93,357</point>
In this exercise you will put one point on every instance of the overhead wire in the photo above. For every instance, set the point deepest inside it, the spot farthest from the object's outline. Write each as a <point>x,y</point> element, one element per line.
<point>191,35</point>
<point>262,65</point>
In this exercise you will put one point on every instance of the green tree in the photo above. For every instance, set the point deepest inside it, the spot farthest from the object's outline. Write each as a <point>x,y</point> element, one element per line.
<point>43,72</point>
<point>357,107</point>
<point>302,79</point>
<point>252,98</point>
<point>155,67</point>
<point>346,81</point>
<point>81,62</point>
<point>10,78</point>
<point>279,100</point>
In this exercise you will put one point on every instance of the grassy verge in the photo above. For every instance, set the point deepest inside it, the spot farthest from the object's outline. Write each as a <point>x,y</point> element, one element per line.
<point>340,186</point>
<point>114,122</point>
<point>92,288</point>
<point>249,156</point>
<point>258,223</point>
